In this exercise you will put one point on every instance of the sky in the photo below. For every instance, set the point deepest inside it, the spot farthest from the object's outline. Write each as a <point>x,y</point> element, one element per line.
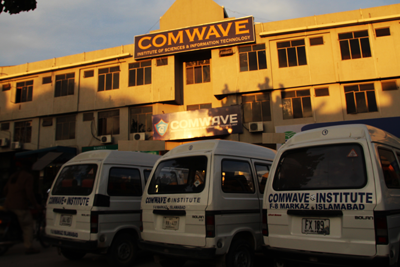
<point>58,28</point>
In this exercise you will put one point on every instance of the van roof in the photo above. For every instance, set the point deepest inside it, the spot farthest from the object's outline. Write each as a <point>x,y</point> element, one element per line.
<point>117,157</point>
<point>372,134</point>
<point>224,147</point>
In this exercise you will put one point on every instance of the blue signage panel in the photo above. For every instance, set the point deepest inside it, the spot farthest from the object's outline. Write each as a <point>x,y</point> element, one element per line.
<point>197,123</point>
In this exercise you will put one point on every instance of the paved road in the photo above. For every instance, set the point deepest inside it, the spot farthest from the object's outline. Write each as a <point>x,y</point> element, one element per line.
<point>49,257</point>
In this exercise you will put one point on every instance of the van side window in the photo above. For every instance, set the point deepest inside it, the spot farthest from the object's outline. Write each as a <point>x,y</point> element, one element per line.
<point>124,182</point>
<point>390,168</point>
<point>146,175</point>
<point>75,180</point>
<point>236,177</point>
<point>262,175</point>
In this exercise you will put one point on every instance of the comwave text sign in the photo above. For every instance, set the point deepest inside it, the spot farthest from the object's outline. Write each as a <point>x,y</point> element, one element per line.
<point>197,123</point>
<point>218,34</point>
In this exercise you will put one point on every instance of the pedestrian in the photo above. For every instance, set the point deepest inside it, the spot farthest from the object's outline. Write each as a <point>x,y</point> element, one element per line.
<point>19,196</point>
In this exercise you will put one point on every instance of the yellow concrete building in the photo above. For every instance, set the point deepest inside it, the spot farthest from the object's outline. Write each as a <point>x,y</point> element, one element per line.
<point>204,75</point>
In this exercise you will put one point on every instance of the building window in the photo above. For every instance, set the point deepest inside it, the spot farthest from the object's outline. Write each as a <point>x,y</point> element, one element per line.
<point>162,61</point>
<point>5,126</point>
<point>108,122</point>
<point>47,122</point>
<point>88,74</point>
<point>197,107</point>
<point>23,131</point>
<point>24,92</point>
<point>46,80</point>
<point>141,119</point>
<point>6,86</point>
<point>252,57</point>
<point>321,92</point>
<point>108,78</point>
<point>388,86</point>
<point>354,45</point>
<point>292,53</point>
<point>296,104</point>
<point>65,84</point>
<point>65,128</point>
<point>140,73</point>
<point>360,98</point>
<point>316,41</point>
<point>382,32</point>
<point>198,71</point>
<point>257,107</point>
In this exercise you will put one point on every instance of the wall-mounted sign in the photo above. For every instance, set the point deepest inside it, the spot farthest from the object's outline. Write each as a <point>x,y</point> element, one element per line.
<point>224,33</point>
<point>197,123</point>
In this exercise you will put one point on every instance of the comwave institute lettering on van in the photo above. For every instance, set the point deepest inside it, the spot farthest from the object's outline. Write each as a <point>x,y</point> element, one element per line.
<point>320,201</point>
<point>164,200</point>
<point>78,201</point>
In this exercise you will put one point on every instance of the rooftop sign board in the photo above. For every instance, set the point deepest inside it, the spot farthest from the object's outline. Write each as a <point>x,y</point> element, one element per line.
<point>197,123</point>
<point>223,33</point>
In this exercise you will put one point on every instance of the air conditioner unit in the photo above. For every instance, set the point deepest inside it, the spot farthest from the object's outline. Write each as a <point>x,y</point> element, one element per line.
<point>105,139</point>
<point>256,127</point>
<point>138,136</point>
<point>4,142</point>
<point>16,145</point>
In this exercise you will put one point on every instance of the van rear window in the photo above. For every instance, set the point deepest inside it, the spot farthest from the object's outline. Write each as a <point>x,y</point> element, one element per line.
<point>180,175</point>
<point>321,167</point>
<point>76,180</point>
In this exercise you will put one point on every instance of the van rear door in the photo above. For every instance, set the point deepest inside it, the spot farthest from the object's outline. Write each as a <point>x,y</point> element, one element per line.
<point>70,202</point>
<point>322,199</point>
<point>175,200</point>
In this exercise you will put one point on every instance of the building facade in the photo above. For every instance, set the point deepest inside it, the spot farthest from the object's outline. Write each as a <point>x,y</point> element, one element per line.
<point>204,75</point>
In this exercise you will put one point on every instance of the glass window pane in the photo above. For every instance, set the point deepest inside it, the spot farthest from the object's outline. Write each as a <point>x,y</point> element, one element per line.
<point>303,92</point>
<point>206,73</point>
<point>71,84</point>
<point>147,75</point>
<point>253,60</point>
<point>244,48</point>
<point>258,47</point>
<point>283,44</point>
<point>142,123</point>
<point>372,107</point>
<point>390,168</point>
<point>124,182</point>
<point>132,77</point>
<point>361,102</point>
<point>355,49</point>
<point>292,56</point>
<point>58,89</point>
<point>297,110</point>
<point>350,103</point>
<point>266,110</point>
<point>189,76</point>
<point>287,108</point>
<point>366,49</point>
<point>115,80</point>
<point>101,83</point>
<point>109,81</point>
<point>248,115</point>
<point>64,88</point>
<point>264,96</point>
<point>307,110</point>
<point>298,42</point>
<point>301,52</point>
<point>134,65</point>
<point>262,176</point>
<point>236,177</point>
<point>360,34</point>
<point>103,71</point>
<point>243,62</point>
<point>367,86</point>
<point>347,35</point>
<point>351,88</point>
<point>382,32</point>
<point>262,60</point>
<point>140,77</point>
<point>345,50</point>
<point>198,77</point>
<point>257,111</point>
<point>248,98</point>
<point>149,121</point>
<point>282,58</point>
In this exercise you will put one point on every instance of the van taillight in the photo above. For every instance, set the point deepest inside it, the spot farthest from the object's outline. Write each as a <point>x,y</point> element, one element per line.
<point>210,225</point>
<point>381,229</point>
<point>141,221</point>
<point>264,223</point>
<point>94,223</point>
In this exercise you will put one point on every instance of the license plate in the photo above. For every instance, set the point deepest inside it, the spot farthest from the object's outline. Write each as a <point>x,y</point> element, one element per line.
<point>171,223</point>
<point>66,220</point>
<point>315,226</point>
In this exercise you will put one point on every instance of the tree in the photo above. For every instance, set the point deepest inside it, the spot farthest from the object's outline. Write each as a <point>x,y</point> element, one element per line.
<point>16,6</point>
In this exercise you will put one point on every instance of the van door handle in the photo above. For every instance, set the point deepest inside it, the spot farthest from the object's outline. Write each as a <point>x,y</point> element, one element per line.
<point>327,213</point>
<point>64,211</point>
<point>170,212</point>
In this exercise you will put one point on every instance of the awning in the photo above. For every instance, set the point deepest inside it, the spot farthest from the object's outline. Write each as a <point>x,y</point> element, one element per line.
<point>45,160</point>
<point>41,152</point>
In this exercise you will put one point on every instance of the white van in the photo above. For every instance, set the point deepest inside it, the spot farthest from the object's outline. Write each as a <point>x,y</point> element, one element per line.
<point>203,201</point>
<point>94,204</point>
<point>333,197</point>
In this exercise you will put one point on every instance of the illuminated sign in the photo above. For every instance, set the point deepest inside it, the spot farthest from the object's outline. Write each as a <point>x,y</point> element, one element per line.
<point>224,33</point>
<point>197,123</point>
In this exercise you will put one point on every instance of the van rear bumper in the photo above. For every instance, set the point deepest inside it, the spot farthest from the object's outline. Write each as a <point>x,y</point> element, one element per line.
<point>178,250</point>
<point>65,243</point>
<point>323,258</point>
